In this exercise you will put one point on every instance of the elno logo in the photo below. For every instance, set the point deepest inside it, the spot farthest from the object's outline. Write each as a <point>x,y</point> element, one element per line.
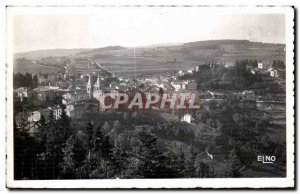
<point>266,159</point>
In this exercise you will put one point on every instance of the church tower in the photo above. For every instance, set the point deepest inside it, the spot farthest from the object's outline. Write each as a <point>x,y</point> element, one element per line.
<point>97,84</point>
<point>88,86</point>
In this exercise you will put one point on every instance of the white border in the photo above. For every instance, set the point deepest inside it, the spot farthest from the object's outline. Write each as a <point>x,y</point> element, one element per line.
<point>158,183</point>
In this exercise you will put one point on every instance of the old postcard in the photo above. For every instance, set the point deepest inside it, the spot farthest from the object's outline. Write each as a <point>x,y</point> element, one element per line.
<point>150,97</point>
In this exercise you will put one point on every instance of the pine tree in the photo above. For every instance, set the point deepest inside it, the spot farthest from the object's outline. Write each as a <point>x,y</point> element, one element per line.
<point>98,141</point>
<point>189,165</point>
<point>152,161</point>
<point>68,163</point>
<point>180,165</point>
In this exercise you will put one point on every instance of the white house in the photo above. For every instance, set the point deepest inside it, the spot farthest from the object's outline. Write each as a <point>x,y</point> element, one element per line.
<point>35,116</point>
<point>273,73</point>
<point>57,112</point>
<point>22,92</point>
<point>176,85</point>
<point>187,118</point>
<point>191,71</point>
<point>70,110</point>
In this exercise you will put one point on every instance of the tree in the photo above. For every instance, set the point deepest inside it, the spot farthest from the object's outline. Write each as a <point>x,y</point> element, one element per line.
<point>80,153</point>
<point>203,170</point>
<point>189,165</point>
<point>68,163</point>
<point>152,161</point>
<point>26,149</point>
<point>180,165</point>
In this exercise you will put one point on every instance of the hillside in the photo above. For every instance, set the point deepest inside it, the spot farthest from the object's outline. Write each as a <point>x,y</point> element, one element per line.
<point>154,59</point>
<point>36,54</point>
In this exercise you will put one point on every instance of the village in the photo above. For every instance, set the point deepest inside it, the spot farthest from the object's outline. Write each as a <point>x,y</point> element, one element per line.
<point>216,110</point>
<point>82,84</point>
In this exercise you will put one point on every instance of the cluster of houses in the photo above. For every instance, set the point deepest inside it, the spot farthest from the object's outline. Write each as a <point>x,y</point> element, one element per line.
<point>79,95</point>
<point>267,69</point>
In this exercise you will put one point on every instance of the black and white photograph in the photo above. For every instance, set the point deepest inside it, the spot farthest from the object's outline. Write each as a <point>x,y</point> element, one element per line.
<point>150,97</point>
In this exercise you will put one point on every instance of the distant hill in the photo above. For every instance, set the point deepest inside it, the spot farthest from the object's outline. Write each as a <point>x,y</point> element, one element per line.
<point>104,49</point>
<point>153,59</point>
<point>49,52</point>
<point>213,50</point>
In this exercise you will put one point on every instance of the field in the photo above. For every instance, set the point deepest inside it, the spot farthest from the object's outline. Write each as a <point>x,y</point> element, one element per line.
<point>137,66</point>
<point>142,61</point>
<point>30,66</point>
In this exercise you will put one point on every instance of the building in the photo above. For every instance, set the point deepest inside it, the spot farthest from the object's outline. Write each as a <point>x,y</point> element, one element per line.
<point>192,86</point>
<point>273,73</point>
<point>111,95</point>
<point>261,65</point>
<point>179,85</point>
<point>187,118</point>
<point>52,77</point>
<point>75,96</point>
<point>217,95</point>
<point>57,111</point>
<point>70,110</point>
<point>22,93</point>
<point>89,86</point>
<point>180,73</point>
<point>248,95</point>
<point>42,79</point>
<point>35,116</point>
<point>191,71</point>
<point>97,84</point>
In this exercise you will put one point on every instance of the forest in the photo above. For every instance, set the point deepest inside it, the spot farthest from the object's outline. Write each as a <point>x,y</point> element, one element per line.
<point>223,140</point>
<point>134,145</point>
<point>25,80</point>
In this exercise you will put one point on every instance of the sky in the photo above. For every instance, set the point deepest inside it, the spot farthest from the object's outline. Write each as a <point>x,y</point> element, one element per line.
<point>141,27</point>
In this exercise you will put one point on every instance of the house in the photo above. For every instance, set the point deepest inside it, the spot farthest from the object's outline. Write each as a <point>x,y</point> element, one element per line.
<point>192,86</point>
<point>274,73</point>
<point>261,65</point>
<point>52,77</point>
<point>74,96</point>
<point>22,93</point>
<point>191,71</point>
<point>179,85</point>
<point>248,95</point>
<point>70,110</point>
<point>81,95</point>
<point>42,79</point>
<point>217,95</point>
<point>35,116</point>
<point>57,111</point>
<point>187,118</point>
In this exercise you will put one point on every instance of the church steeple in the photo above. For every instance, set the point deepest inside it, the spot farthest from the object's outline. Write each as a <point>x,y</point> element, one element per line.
<point>88,85</point>
<point>97,84</point>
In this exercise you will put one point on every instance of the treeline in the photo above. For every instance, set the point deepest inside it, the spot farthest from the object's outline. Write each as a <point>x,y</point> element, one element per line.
<point>278,64</point>
<point>130,147</point>
<point>25,80</point>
